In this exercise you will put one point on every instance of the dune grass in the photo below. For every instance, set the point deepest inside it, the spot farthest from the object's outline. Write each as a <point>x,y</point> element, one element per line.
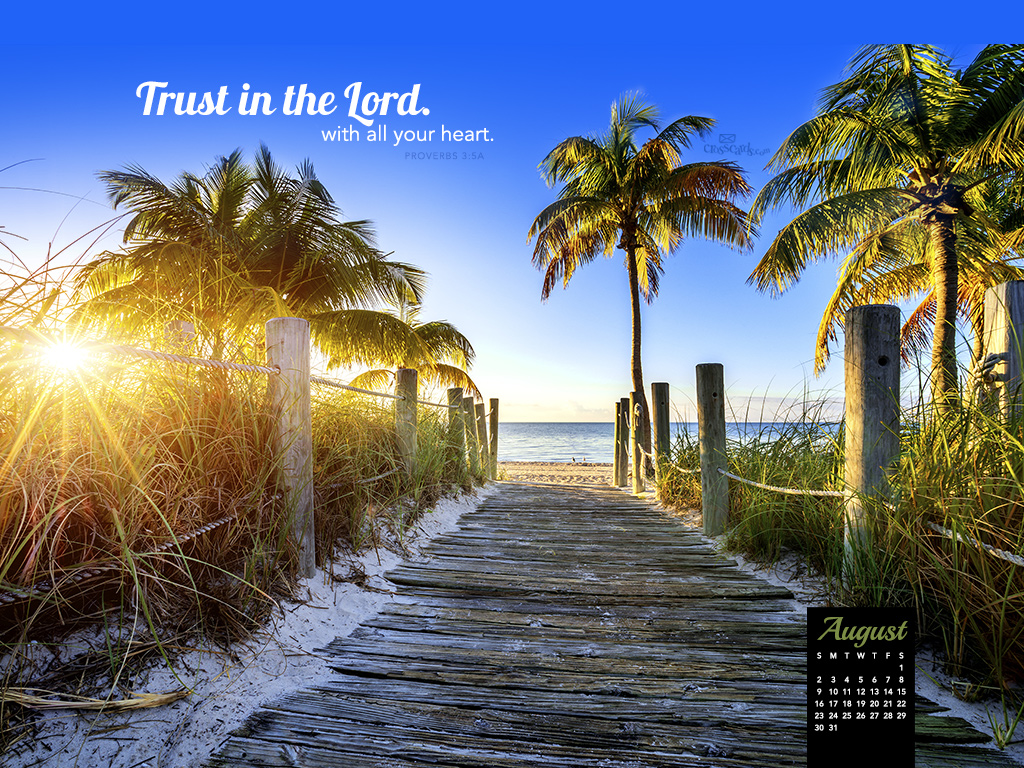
<point>109,470</point>
<point>963,471</point>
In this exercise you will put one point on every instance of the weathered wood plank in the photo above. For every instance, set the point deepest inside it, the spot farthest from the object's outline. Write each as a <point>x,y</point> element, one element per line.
<point>558,626</point>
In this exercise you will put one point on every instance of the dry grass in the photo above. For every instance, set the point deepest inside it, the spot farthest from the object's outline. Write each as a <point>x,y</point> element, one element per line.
<point>107,472</point>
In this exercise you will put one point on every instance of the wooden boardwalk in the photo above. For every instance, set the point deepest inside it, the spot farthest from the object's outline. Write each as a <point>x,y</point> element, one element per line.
<point>560,626</point>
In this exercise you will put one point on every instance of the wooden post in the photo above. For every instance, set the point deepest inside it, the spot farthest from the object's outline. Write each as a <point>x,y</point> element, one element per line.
<point>714,486</point>
<point>1004,334</point>
<point>494,438</point>
<point>472,444</point>
<point>288,394</point>
<point>481,436</point>
<point>661,438</point>
<point>617,461</point>
<point>405,417</point>
<point>636,430</point>
<point>624,424</point>
<point>872,419</point>
<point>456,424</point>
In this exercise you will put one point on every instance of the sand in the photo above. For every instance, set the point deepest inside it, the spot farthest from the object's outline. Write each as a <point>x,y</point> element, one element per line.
<point>575,473</point>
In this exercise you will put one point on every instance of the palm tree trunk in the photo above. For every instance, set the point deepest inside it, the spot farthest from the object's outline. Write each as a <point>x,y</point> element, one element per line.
<point>636,369</point>
<point>945,277</point>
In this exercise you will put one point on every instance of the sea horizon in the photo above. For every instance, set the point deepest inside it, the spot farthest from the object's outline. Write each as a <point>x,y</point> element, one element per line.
<point>591,441</point>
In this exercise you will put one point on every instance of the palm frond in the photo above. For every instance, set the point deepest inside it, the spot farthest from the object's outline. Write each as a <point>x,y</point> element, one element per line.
<point>830,227</point>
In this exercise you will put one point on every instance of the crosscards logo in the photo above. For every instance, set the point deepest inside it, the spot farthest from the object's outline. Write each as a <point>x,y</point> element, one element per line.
<point>727,145</point>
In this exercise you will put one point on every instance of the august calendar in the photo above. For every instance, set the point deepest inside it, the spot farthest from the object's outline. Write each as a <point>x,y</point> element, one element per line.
<point>860,684</point>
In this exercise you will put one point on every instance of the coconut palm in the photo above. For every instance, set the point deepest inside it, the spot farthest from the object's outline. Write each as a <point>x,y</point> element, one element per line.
<point>232,248</point>
<point>897,155</point>
<point>437,350</point>
<point>892,266</point>
<point>639,199</point>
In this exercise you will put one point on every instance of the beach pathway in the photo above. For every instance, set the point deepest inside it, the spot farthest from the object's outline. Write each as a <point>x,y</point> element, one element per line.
<point>558,626</point>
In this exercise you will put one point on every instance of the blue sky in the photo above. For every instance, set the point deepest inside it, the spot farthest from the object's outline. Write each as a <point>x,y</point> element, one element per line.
<point>462,218</point>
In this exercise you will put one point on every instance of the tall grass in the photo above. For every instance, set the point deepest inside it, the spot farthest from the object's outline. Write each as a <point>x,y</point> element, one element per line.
<point>962,470</point>
<point>797,450</point>
<point>108,470</point>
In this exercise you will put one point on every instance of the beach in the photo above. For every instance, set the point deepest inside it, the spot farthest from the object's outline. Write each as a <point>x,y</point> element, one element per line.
<point>574,473</point>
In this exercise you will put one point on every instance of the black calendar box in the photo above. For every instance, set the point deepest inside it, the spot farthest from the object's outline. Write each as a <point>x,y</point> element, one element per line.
<point>860,686</point>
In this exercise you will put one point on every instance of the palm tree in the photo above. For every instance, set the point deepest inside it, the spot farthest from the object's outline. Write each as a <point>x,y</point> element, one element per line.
<point>437,350</point>
<point>638,199</point>
<point>892,266</point>
<point>232,248</point>
<point>904,143</point>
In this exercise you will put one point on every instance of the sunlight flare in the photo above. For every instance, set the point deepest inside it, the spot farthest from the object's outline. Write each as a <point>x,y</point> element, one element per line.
<point>64,356</point>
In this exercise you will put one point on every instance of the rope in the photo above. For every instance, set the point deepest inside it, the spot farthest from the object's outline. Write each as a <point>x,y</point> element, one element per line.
<point>381,476</point>
<point>48,585</point>
<point>350,388</point>
<point>149,354</point>
<point>338,385</point>
<point>39,339</point>
<point>437,405</point>
<point>777,489</point>
<point>985,372</point>
<point>1001,553</point>
<point>366,479</point>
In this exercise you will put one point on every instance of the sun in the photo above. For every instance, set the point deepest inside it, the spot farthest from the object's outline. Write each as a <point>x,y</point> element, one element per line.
<point>63,356</point>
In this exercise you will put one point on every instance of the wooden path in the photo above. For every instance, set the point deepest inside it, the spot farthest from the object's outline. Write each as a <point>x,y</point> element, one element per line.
<point>560,626</point>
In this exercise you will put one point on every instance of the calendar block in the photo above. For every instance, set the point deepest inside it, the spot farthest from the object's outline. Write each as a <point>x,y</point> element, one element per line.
<point>860,685</point>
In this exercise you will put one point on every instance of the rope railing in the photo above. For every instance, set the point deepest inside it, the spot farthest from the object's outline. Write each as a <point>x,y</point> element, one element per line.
<point>381,476</point>
<point>963,539</point>
<point>149,354</point>
<point>779,489</point>
<point>41,339</point>
<point>438,405</point>
<point>41,588</point>
<point>349,388</point>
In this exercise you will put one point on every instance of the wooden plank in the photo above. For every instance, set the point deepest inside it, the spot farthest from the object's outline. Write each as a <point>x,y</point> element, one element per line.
<point>556,627</point>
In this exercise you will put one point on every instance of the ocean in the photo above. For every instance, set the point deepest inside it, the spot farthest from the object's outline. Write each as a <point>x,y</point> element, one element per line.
<point>585,441</point>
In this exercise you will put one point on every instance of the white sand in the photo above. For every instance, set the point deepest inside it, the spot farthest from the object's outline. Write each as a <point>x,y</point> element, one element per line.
<point>224,692</point>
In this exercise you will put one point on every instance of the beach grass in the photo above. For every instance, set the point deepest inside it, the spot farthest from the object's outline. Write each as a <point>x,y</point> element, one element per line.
<point>962,471</point>
<point>139,499</point>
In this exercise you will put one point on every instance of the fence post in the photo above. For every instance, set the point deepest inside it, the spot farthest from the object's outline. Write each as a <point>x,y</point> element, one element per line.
<point>456,424</point>
<point>714,486</point>
<point>494,438</point>
<point>288,393</point>
<point>662,437</point>
<point>405,418</point>
<point>472,444</point>
<point>624,424</point>
<point>635,415</point>
<point>481,436</point>
<point>617,442</point>
<point>1004,326</point>
<point>872,417</point>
